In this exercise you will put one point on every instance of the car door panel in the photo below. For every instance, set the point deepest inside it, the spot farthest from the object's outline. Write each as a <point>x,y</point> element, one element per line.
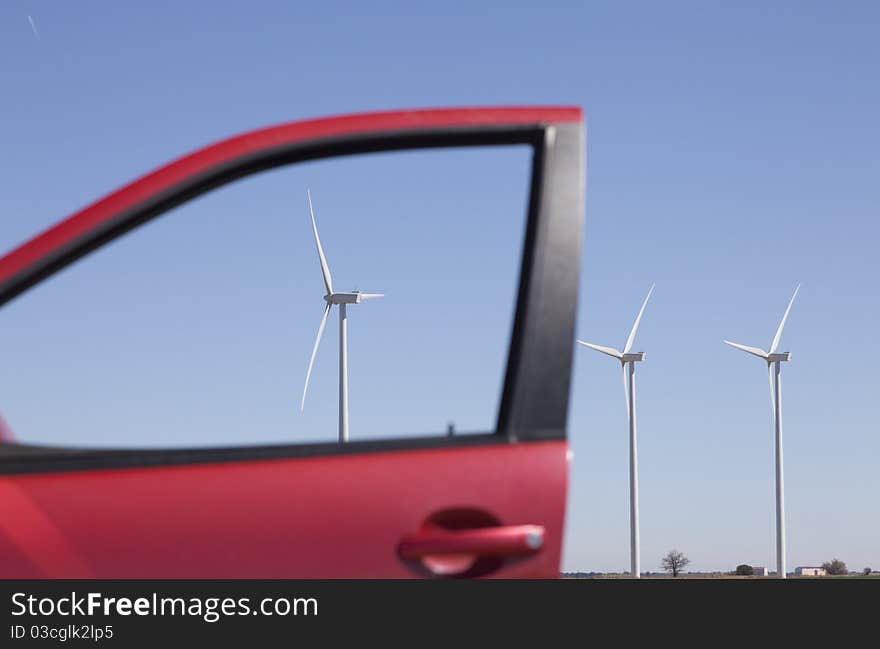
<point>339,516</point>
<point>485,505</point>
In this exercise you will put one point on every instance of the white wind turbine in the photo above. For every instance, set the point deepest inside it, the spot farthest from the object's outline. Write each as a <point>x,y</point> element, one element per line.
<point>340,299</point>
<point>773,359</point>
<point>628,363</point>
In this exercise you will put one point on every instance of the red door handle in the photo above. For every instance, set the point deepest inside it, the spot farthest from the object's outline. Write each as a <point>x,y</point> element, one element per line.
<point>507,541</point>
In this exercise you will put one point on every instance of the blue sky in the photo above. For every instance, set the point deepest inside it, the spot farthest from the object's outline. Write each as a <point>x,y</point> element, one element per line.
<point>732,153</point>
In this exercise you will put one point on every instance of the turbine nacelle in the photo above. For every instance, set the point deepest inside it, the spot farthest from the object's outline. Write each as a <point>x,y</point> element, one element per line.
<point>625,356</point>
<point>353,297</point>
<point>771,356</point>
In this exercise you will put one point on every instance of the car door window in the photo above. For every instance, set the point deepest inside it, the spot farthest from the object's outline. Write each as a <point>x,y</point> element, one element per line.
<point>196,329</point>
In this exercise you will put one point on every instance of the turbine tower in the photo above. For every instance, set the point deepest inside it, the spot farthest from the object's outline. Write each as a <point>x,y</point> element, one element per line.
<point>342,300</point>
<point>628,363</point>
<point>773,359</point>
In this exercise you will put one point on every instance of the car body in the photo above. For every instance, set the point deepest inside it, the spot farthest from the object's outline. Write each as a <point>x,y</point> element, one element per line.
<point>486,505</point>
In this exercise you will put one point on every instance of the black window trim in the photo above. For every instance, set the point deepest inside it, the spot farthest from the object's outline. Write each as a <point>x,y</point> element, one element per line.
<point>536,386</point>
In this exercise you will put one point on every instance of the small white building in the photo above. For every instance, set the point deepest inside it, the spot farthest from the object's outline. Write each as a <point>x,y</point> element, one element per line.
<point>759,571</point>
<point>809,571</point>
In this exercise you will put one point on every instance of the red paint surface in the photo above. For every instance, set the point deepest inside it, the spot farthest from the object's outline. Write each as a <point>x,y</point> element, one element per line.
<point>325,517</point>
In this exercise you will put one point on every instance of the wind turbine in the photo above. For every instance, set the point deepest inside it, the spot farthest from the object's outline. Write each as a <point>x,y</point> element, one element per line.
<point>628,363</point>
<point>342,300</point>
<point>773,359</point>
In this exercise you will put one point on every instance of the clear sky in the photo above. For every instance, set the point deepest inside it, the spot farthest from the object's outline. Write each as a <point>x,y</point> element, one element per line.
<point>732,153</point>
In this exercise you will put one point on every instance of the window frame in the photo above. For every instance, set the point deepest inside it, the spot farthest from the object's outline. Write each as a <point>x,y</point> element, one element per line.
<point>536,385</point>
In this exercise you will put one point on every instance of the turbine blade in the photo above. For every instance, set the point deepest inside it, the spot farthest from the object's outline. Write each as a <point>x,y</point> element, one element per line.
<point>369,296</point>
<point>751,350</point>
<point>632,333</point>
<point>325,270</point>
<point>605,350</point>
<point>772,392</point>
<point>625,389</point>
<point>314,351</point>
<point>778,335</point>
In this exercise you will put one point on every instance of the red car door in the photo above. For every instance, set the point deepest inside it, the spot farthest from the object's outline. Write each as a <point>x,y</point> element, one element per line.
<point>490,504</point>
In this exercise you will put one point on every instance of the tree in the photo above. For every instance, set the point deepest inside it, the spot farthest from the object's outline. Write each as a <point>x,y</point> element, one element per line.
<point>866,571</point>
<point>674,562</point>
<point>835,567</point>
<point>745,570</point>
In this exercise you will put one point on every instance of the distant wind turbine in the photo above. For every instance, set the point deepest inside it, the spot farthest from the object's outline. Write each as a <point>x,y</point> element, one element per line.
<point>628,363</point>
<point>340,299</point>
<point>773,359</point>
